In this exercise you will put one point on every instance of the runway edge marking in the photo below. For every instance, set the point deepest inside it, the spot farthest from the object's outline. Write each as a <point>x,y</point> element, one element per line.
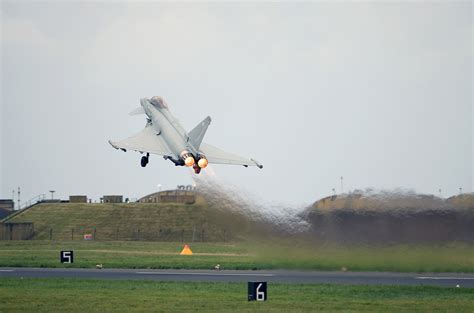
<point>444,278</point>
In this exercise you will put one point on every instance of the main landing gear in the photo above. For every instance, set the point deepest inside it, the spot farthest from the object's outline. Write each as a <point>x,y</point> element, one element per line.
<point>145,159</point>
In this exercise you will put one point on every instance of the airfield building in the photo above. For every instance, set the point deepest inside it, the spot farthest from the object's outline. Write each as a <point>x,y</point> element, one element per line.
<point>6,207</point>
<point>7,204</point>
<point>78,199</point>
<point>112,199</point>
<point>170,196</point>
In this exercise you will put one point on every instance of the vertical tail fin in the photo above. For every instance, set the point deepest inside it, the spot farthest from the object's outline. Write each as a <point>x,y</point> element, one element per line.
<point>196,135</point>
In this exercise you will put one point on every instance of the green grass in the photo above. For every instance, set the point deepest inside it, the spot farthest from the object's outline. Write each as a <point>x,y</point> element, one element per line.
<point>131,221</point>
<point>120,254</point>
<point>241,255</point>
<point>79,295</point>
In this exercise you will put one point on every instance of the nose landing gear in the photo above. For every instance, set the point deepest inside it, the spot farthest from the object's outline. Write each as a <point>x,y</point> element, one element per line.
<point>145,159</point>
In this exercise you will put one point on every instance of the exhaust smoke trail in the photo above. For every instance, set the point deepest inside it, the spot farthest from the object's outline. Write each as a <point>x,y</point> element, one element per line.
<point>224,196</point>
<point>357,217</point>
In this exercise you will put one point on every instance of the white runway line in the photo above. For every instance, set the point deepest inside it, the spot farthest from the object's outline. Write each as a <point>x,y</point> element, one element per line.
<point>6,270</point>
<point>445,278</point>
<point>204,274</point>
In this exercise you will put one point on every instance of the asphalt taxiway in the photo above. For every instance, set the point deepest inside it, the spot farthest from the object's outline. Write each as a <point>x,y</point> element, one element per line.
<point>280,276</point>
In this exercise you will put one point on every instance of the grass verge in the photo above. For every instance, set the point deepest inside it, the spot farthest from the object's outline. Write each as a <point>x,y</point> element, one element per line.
<point>79,295</point>
<point>242,255</point>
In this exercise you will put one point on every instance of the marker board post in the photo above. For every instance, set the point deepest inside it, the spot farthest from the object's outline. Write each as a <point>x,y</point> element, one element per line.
<point>257,291</point>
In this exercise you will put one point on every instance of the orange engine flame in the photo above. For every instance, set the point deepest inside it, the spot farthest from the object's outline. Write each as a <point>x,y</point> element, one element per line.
<point>203,163</point>
<point>189,161</point>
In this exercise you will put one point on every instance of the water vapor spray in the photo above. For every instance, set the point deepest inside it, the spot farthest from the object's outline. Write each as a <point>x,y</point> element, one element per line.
<point>228,197</point>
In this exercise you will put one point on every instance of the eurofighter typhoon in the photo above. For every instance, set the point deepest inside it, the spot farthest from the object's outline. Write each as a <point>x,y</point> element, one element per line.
<point>163,135</point>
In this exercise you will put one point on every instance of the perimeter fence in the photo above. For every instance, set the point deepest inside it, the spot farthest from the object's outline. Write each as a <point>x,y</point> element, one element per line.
<point>131,233</point>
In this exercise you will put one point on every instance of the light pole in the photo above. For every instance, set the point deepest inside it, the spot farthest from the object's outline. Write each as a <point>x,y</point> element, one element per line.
<point>52,193</point>
<point>13,198</point>
<point>342,185</point>
<point>440,195</point>
<point>460,190</point>
<point>334,191</point>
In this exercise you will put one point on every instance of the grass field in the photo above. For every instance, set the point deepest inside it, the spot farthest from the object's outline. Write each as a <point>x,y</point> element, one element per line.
<point>242,255</point>
<point>76,295</point>
<point>128,221</point>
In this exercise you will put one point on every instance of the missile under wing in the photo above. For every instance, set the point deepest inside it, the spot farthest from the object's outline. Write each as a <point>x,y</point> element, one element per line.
<point>163,135</point>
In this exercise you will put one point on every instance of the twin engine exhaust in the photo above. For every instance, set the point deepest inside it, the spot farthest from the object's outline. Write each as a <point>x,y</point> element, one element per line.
<point>189,161</point>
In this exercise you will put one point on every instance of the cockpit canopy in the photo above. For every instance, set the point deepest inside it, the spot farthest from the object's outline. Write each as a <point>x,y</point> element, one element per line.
<point>159,102</point>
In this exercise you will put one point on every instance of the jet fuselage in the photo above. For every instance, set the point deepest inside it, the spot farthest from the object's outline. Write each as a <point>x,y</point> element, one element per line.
<point>168,127</point>
<point>163,135</point>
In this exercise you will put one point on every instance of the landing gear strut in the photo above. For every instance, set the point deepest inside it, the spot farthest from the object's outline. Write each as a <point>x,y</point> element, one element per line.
<point>178,162</point>
<point>145,159</point>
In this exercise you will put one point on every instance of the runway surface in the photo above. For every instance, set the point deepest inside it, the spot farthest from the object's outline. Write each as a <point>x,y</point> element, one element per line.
<point>281,276</point>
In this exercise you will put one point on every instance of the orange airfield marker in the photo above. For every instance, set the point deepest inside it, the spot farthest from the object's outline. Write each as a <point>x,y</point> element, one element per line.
<point>186,250</point>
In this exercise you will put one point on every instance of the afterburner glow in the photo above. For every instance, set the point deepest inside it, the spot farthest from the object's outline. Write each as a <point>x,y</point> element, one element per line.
<point>203,163</point>
<point>189,161</point>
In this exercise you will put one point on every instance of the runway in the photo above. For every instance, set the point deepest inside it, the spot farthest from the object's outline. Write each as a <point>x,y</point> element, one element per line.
<point>279,276</point>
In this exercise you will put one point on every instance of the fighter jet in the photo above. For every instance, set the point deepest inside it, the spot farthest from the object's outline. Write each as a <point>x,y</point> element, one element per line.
<point>163,135</point>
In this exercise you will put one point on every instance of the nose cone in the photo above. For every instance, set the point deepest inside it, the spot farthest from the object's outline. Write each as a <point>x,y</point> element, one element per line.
<point>159,102</point>
<point>189,161</point>
<point>203,163</point>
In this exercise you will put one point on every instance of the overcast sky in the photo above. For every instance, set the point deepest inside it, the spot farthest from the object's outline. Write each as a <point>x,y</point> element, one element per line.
<point>380,93</point>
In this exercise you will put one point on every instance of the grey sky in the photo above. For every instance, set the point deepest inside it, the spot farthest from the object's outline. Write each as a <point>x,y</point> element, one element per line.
<point>380,93</point>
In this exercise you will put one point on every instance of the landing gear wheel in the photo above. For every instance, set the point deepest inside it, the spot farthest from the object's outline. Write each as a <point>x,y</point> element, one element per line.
<point>144,161</point>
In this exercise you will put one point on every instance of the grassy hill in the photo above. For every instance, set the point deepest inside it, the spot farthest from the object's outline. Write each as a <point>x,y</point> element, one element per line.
<point>392,217</point>
<point>219,216</point>
<point>135,221</point>
<point>464,201</point>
